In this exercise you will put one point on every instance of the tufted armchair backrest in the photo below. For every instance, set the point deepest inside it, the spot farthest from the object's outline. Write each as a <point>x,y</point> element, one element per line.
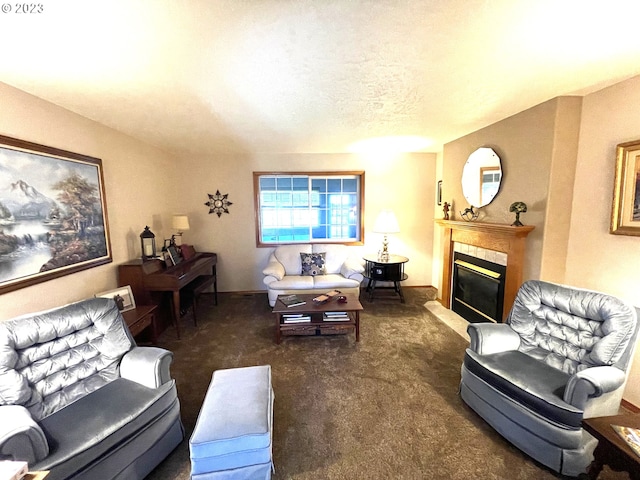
<point>572,329</point>
<point>50,359</point>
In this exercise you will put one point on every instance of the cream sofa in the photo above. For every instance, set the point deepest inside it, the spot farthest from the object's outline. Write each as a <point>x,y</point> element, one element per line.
<point>284,273</point>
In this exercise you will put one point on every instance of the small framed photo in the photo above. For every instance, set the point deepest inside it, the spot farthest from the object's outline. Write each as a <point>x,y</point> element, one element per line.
<point>439,192</point>
<point>123,297</point>
<point>167,259</point>
<point>174,255</point>
<point>625,211</point>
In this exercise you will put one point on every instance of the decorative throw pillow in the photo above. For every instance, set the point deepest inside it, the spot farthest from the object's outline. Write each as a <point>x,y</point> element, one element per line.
<point>313,263</point>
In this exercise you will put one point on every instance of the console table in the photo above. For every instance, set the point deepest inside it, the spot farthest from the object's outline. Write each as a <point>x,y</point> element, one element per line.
<point>390,270</point>
<point>146,277</point>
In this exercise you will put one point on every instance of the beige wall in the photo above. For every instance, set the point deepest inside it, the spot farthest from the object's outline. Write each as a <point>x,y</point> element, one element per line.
<point>537,149</point>
<point>145,186</point>
<point>138,189</point>
<point>597,259</point>
<point>404,183</point>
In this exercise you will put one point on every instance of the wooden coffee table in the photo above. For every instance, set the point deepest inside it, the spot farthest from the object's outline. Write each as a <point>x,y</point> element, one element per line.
<point>612,450</point>
<point>318,324</point>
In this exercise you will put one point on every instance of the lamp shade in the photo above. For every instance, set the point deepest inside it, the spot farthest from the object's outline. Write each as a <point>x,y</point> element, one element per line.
<point>180,223</point>
<point>386,222</point>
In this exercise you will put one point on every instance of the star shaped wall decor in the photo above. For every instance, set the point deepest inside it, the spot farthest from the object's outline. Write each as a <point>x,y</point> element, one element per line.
<point>218,203</point>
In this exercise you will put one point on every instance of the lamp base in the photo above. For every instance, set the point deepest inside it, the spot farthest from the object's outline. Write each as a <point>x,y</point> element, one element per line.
<point>383,255</point>
<point>176,239</point>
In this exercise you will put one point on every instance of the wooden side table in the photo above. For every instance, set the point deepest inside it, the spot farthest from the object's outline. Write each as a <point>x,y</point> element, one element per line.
<point>390,270</point>
<point>141,318</point>
<point>612,450</point>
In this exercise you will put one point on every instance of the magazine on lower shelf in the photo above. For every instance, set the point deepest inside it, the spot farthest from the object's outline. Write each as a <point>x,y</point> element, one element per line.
<point>296,318</point>
<point>629,435</point>
<point>336,316</point>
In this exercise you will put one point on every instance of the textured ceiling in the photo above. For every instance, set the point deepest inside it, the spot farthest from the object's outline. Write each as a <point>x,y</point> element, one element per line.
<point>206,77</point>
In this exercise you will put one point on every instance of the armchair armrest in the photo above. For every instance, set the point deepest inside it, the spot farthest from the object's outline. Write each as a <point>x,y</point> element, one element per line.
<point>148,366</point>
<point>274,269</point>
<point>592,382</point>
<point>21,438</point>
<point>352,268</point>
<point>487,338</point>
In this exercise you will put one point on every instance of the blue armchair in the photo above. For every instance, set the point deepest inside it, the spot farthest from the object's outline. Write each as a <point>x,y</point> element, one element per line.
<point>80,399</point>
<point>563,355</point>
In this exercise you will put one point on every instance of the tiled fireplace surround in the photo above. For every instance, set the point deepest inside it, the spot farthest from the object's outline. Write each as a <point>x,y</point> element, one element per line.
<point>498,243</point>
<point>485,254</point>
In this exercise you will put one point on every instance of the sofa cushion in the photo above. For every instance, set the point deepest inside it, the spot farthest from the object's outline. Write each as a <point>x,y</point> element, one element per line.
<point>534,384</point>
<point>289,257</point>
<point>337,281</point>
<point>335,255</point>
<point>293,282</point>
<point>312,263</point>
<point>102,420</point>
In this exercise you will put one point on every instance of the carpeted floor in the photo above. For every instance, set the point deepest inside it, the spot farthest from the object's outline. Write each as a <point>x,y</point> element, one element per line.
<point>384,408</point>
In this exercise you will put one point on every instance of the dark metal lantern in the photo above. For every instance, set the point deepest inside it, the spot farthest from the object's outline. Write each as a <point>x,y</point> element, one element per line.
<point>148,244</point>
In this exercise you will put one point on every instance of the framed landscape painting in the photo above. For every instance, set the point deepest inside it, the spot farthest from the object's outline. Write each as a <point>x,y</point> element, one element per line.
<point>53,217</point>
<point>625,212</point>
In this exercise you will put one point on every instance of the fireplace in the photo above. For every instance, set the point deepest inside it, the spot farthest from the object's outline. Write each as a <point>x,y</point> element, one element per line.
<point>510,241</point>
<point>478,288</point>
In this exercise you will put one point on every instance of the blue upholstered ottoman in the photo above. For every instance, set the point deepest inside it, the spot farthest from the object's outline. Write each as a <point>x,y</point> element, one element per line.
<point>233,433</point>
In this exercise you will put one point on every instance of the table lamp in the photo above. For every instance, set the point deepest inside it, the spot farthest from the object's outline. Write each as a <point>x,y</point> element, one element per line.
<point>180,223</point>
<point>386,223</point>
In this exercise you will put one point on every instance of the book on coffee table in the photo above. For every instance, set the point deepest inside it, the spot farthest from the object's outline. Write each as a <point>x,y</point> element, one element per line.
<point>291,300</point>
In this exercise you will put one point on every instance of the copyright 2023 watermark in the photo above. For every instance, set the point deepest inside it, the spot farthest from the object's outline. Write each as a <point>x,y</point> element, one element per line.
<point>22,8</point>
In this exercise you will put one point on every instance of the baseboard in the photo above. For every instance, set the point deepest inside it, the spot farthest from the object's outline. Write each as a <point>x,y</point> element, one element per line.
<point>253,292</point>
<point>245,292</point>
<point>630,406</point>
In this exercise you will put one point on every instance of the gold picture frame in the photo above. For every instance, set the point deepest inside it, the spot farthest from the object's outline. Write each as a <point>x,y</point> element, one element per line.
<point>625,211</point>
<point>53,214</point>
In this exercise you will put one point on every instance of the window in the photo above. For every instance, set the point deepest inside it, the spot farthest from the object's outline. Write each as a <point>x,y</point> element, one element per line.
<point>489,183</point>
<point>309,207</point>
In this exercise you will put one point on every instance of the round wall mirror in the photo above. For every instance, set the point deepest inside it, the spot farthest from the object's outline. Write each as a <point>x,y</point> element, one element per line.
<point>481,177</point>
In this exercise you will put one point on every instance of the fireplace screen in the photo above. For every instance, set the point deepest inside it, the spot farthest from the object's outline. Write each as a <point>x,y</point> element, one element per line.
<point>478,288</point>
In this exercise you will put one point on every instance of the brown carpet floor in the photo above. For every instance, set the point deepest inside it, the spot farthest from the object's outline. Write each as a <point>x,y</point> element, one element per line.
<point>384,408</point>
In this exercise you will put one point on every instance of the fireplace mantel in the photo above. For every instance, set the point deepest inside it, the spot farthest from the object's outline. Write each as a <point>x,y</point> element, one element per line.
<point>492,236</point>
